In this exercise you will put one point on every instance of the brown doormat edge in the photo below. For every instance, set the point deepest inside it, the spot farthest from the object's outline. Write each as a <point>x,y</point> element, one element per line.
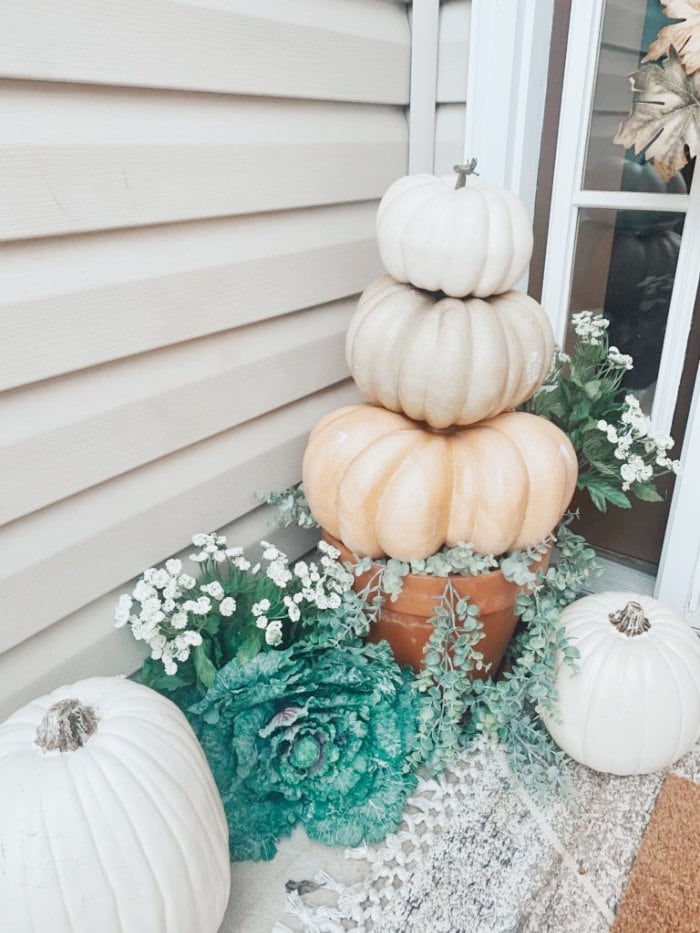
<point>663,890</point>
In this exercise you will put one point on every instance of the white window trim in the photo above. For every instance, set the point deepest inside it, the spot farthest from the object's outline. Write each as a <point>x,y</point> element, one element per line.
<point>679,570</point>
<point>567,198</point>
<point>678,581</point>
<point>425,21</point>
<point>509,45</point>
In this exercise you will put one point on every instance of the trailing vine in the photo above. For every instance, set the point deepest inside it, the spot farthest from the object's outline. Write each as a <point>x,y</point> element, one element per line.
<point>445,682</point>
<point>509,709</point>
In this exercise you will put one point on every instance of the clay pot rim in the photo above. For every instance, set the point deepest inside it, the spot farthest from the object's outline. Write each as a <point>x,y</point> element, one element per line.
<point>426,581</point>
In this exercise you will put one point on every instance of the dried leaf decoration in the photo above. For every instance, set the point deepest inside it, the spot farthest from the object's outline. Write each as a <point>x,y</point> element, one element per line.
<point>684,37</point>
<point>665,116</point>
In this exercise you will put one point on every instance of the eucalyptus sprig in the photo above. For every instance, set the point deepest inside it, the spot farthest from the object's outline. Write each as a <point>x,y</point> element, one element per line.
<point>449,661</point>
<point>509,710</point>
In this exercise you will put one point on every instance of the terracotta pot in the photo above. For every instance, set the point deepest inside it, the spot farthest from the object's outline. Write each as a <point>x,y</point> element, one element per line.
<point>406,624</point>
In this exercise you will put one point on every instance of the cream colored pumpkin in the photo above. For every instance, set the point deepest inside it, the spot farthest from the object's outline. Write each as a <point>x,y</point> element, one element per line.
<point>633,705</point>
<point>110,820</point>
<point>447,361</point>
<point>470,240</point>
<point>384,485</point>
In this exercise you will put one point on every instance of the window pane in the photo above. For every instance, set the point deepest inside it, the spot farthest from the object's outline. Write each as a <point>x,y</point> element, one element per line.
<point>629,27</point>
<point>624,267</point>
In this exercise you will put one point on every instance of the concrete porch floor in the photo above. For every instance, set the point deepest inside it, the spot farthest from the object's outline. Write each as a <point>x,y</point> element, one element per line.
<point>502,863</point>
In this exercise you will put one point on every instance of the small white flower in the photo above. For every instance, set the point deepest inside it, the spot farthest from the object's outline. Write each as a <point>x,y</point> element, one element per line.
<point>261,607</point>
<point>170,666</point>
<point>200,540</point>
<point>234,551</point>
<point>179,620</point>
<point>123,610</point>
<point>214,589</point>
<point>203,606</point>
<point>261,621</point>
<point>143,591</point>
<point>173,566</point>
<point>227,606</point>
<point>279,573</point>
<point>161,578</point>
<point>186,581</point>
<point>273,633</point>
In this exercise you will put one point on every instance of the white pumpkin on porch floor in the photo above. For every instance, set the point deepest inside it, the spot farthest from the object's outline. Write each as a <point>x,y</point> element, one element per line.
<point>633,705</point>
<point>110,820</point>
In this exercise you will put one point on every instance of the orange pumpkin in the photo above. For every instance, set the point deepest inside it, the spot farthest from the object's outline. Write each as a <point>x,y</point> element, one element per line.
<point>386,485</point>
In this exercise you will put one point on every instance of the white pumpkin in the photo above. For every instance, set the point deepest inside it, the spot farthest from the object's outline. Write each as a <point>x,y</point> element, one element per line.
<point>447,361</point>
<point>471,239</point>
<point>110,820</point>
<point>634,705</point>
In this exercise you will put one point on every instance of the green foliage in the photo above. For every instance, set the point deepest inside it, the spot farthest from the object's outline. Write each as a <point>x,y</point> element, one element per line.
<point>445,682</point>
<point>291,507</point>
<point>508,710</point>
<point>233,609</point>
<point>618,452</point>
<point>317,735</point>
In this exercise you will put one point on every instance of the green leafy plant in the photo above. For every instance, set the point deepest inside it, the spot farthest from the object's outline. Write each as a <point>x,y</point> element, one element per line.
<point>317,736</point>
<point>619,453</point>
<point>234,609</point>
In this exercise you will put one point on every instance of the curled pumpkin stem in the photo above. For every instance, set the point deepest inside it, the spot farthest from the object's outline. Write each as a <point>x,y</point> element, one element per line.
<point>66,727</point>
<point>469,168</point>
<point>630,620</point>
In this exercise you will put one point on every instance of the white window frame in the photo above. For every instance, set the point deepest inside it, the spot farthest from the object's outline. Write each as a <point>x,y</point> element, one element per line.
<point>568,197</point>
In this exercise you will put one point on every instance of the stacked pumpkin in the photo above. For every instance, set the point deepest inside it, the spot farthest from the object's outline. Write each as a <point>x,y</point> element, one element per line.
<point>443,349</point>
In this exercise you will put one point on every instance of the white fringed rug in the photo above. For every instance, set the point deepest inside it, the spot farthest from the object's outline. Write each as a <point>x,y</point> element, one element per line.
<point>475,854</point>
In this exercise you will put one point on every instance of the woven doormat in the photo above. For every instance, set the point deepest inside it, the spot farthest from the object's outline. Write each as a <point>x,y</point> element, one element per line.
<point>663,891</point>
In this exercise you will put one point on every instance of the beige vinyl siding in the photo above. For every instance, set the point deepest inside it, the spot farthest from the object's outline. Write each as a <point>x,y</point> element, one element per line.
<point>619,58</point>
<point>188,194</point>
<point>451,94</point>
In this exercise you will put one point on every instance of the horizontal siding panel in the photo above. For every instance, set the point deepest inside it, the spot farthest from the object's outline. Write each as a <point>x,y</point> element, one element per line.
<point>624,23</point>
<point>74,160</point>
<point>283,48</point>
<point>92,426</point>
<point>449,137</point>
<point>83,547</point>
<point>100,297</point>
<point>453,51</point>
<point>86,644</point>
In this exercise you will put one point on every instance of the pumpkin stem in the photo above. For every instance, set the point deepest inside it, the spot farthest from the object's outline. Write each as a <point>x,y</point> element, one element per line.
<point>464,170</point>
<point>66,727</point>
<point>630,620</point>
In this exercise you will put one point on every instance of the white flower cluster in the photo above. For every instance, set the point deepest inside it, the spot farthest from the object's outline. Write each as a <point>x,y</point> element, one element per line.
<point>160,611</point>
<point>636,428</point>
<point>590,327</point>
<point>619,360</point>
<point>168,611</point>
